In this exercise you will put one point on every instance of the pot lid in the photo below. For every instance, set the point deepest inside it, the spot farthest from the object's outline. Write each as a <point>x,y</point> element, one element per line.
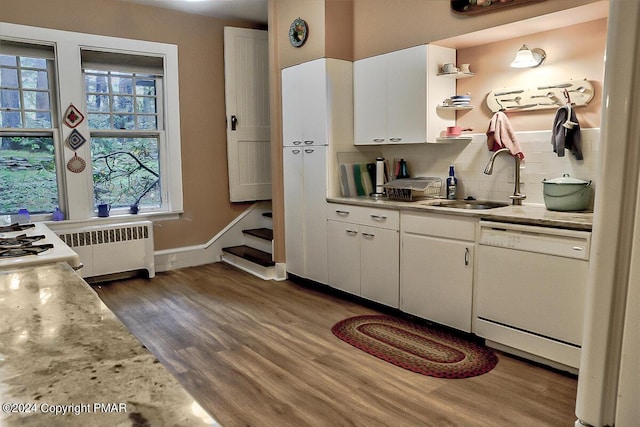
<point>565,179</point>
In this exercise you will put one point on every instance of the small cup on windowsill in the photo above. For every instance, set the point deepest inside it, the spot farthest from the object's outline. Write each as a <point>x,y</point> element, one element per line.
<point>133,209</point>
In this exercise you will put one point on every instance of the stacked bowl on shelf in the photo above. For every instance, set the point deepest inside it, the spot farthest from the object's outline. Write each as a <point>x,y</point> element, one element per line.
<point>460,100</point>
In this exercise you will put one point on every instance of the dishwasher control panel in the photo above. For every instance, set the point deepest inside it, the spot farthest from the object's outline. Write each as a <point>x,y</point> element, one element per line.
<point>544,240</point>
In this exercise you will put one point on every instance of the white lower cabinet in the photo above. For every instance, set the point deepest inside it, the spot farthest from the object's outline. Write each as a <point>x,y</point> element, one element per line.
<point>363,252</point>
<point>436,268</point>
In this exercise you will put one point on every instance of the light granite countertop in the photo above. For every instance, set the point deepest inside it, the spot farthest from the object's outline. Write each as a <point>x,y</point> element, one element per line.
<point>66,360</point>
<point>525,214</point>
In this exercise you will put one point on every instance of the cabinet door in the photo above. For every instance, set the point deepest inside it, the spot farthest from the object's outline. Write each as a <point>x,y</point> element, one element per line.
<point>312,102</point>
<point>344,256</point>
<point>380,265</point>
<point>292,122</point>
<point>436,279</point>
<point>315,212</point>
<point>407,92</point>
<point>370,100</point>
<point>293,169</point>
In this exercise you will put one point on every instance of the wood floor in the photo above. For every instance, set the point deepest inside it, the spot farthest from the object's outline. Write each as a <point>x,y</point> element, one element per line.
<point>261,353</point>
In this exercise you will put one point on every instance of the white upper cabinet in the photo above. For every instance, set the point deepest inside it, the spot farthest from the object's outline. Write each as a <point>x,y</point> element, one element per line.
<point>370,100</point>
<point>396,95</point>
<point>304,101</point>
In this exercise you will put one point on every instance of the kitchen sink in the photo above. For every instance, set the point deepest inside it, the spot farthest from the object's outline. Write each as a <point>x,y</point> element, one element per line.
<point>467,204</point>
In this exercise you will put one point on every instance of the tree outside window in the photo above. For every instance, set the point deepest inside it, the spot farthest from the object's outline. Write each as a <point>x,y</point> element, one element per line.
<point>27,152</point>
<point>124,121</point>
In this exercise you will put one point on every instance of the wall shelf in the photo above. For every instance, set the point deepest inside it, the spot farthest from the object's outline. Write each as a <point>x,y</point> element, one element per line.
<point>458,75</point>
<point>452,139</point>
<point>455,107</point>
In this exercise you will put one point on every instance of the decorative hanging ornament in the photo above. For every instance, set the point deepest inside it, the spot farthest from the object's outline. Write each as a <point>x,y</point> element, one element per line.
<point>75,139</point>
<point>73,117</point>
<point>298,32</point>
<point>76,164</point>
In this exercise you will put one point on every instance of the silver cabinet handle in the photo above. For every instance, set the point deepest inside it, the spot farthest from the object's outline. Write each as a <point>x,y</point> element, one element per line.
<point>378,139</point>
<point>344,213</point>
<point>297,142</point>
<point>309,150</point>
<point>309,142</point>
<point>352,232</point>
<point>578,248</point>
<point>395,139</point>
<point>378,217</point>
<point>467,255</point>
<point>368,235</point>
<point>296,151</point>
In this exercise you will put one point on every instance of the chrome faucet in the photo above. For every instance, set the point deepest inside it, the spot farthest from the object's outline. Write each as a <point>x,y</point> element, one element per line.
<point>517,197</point>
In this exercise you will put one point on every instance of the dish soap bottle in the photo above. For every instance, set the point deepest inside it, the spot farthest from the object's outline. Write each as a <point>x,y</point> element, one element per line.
<point>452,184</point>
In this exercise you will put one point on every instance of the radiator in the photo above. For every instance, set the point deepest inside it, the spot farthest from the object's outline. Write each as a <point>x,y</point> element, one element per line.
<point>112,248</point>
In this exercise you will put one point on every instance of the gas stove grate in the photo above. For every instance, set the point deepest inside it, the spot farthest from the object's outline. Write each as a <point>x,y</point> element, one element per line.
<point>15,227</point>
<point>19,241</point>
<point>25,250</point>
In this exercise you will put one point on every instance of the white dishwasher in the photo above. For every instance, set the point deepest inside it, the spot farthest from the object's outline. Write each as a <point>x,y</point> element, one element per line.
<point>531,289</point>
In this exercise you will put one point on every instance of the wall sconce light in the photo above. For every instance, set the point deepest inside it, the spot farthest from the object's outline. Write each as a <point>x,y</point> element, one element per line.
<point>528,58</point>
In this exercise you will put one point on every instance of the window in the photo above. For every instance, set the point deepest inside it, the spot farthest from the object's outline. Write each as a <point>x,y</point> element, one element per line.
<point>123,87</point>
<point>125,120</point>
<point>28,178</point>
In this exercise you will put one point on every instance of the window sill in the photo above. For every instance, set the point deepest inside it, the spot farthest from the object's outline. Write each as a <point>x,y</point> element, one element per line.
<point>112,219</point>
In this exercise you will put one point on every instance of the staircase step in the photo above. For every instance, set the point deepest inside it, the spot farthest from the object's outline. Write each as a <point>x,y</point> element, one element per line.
<point>268,214</point>
<point>261,233</point>
<point>251,254</point>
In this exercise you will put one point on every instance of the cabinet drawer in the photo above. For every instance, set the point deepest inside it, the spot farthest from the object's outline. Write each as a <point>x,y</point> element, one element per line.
<point>364,215</point>
<point>448,226</point>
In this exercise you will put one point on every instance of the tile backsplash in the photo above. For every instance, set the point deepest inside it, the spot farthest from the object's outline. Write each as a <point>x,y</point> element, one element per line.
<point>471,158</point>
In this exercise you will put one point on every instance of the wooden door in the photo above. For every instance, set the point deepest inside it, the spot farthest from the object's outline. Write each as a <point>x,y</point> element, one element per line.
<point>246,57</point>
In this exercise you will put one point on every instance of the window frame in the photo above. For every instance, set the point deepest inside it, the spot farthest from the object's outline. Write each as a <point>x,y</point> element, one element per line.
<point>158,133</point>
<point>77,193</point>
<point>53,131</point>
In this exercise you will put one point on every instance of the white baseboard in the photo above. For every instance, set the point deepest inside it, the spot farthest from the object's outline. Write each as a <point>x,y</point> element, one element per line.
<point>210,252</point>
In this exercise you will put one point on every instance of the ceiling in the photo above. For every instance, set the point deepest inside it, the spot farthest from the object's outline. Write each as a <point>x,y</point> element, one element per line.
<point>246,10</point>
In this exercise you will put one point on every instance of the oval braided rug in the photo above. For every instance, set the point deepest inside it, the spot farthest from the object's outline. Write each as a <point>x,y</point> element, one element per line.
<point>423,349</point>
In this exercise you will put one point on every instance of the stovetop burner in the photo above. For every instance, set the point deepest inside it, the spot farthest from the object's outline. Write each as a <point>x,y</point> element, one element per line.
<point>25,250</point>
<point>15,227</point>
<point>19,241</point>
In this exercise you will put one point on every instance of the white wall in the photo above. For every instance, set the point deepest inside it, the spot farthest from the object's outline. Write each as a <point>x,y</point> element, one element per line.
<point>471,158</point>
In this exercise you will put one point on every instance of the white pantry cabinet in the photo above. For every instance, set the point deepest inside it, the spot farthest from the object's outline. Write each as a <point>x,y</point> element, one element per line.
<point>364,251</point>
<point>304,210</point>
<point>396,95</point>
<point>436,268</point>
<point>316,112</point>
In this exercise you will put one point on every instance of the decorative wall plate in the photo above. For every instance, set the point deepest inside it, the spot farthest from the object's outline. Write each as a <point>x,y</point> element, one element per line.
<point>75,139</point>
<point>76,164</point>
<point>298,32</point>
<point>73,117</point>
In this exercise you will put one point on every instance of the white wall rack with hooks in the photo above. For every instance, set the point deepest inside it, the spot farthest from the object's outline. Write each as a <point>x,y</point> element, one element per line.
<point>541,97</point>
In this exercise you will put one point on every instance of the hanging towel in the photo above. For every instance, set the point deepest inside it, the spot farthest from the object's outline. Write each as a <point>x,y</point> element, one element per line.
<point>501,135</point>
<point>566,133</point>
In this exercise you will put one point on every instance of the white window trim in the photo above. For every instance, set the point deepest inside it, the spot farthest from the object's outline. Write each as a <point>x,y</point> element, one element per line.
<point>70,90</point>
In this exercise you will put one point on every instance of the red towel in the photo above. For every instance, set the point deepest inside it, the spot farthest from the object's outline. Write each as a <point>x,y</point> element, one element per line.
<point>501,135</point>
